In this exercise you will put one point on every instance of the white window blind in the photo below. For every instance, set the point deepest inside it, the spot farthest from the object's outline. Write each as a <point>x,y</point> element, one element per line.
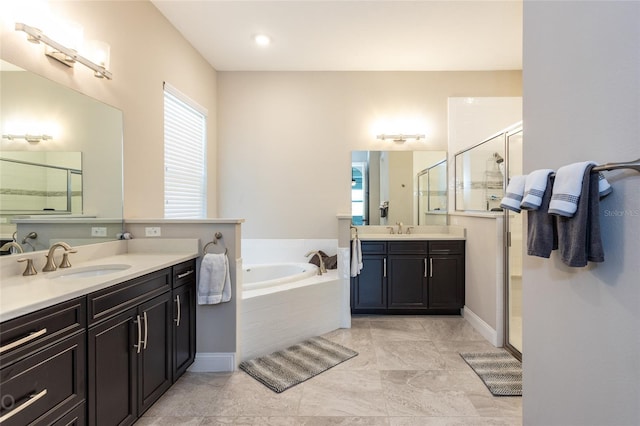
<point>185,135</point>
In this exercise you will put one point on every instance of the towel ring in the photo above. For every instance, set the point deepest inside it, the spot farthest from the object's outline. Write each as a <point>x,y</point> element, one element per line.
<point>218,235</point>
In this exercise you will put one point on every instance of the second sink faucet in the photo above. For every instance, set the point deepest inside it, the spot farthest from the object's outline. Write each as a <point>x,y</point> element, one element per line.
<point>322,269</point>
<point>51,266</point>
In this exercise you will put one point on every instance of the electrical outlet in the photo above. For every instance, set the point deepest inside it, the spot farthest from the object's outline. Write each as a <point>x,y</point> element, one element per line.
<point>152,231</point>
<point>98,232</point>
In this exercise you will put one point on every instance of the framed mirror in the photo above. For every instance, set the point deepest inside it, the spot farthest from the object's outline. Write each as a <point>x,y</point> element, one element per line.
<point>385,187</point>
<point>71,170</point>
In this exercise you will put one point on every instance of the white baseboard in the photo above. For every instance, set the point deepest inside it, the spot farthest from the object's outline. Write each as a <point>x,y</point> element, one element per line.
<point>482,327</point>
<point>213,362</point>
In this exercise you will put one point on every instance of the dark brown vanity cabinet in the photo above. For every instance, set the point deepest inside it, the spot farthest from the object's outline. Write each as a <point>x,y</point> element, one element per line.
<point>43,365</point>
<point>130,361</point>
<point>100,359</point>
<point>410,277</point>
<point>184,317</point>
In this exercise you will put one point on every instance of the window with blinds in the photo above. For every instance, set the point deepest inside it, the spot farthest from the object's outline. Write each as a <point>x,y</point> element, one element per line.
<point>185,135</point>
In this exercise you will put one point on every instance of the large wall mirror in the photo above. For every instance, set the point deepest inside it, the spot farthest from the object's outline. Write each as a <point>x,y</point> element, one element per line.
<point>74,172</point>
<point>388,187</point>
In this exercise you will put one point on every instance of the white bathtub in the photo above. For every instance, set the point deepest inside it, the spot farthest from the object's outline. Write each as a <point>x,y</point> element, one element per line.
<point>271,275</point>
<point>284,303</point>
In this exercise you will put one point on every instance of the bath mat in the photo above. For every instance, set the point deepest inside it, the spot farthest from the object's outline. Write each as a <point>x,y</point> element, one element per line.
<point>499,371</point>
<point>286,368</point>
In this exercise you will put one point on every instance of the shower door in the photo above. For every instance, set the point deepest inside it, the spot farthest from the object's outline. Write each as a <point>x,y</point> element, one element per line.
<point>514,251</point>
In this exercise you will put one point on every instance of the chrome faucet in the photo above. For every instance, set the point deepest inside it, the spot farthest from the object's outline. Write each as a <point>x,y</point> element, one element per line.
<point>51,266</point>
<point>322,269</point>
<point>399,227</point>
<point>10,245</point>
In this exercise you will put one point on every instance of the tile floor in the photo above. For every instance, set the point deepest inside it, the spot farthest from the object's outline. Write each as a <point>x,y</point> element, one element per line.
<point>408,372</point>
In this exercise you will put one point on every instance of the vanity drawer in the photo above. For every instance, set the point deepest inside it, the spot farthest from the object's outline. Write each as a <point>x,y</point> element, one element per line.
<point>39,389</point>
<point>111,301</point>
<point>24,335</point>
<point>373,247</point>
<point>408,247</point>
<point>446,247</point>
<point>184,273</point>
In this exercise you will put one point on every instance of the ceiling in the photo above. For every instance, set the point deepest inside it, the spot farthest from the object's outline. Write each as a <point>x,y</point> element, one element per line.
<point>319,35</point>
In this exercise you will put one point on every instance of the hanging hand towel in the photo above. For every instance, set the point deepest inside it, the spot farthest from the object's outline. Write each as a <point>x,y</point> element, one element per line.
<point>513,195</point>
<point>534,187</point>
<point>567,188</point>
<point>214,285</point>
<point>356,257</point>
<point>579,240</point>
<point>542,232</point>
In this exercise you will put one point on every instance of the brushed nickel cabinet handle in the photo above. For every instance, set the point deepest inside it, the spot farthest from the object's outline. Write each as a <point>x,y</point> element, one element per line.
<point>29,337</point>
<point>425,267</point>
<point>177,320</point>
<point>385,268</point>
<point>32,400</point>
<point>139,345</point>
<point>146,329</point>
<point>186,274</point>
<point>431,267</point>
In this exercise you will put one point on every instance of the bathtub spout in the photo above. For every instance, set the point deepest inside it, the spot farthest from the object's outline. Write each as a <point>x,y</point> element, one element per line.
<point>322,269</point>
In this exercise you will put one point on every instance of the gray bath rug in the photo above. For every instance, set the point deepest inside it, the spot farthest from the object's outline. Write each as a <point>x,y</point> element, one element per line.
<point>286,368</point>
<point>499,371</point>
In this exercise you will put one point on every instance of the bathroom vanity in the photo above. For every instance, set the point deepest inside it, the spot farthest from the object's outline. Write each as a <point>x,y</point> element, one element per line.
<point>103,356</point>
<point>410,274</point>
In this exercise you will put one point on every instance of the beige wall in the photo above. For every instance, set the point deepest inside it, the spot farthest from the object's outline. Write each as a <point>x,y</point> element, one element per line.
<point>145,51</point>
<point>285,138</point>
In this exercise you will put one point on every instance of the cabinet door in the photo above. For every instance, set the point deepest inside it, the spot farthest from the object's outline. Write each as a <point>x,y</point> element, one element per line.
<point>446,281</point>
<point>408,281</point>
<point>113,369</point>
<point>40,388</point>
<point>369,288</point>
<point>154,360</point>
<point>184,328</point>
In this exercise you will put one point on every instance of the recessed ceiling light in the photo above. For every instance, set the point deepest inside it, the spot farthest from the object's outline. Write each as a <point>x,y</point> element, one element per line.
<point>262,40</point>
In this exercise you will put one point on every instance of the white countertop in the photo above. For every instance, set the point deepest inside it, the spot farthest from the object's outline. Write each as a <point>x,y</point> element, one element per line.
<point>410,237</point>
<point>21,295</point>
<point>421,233</point>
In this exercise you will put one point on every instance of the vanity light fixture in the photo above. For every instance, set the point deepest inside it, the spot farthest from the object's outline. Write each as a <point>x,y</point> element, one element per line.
<point>28,138</point>
<point>262,40</point>
<point>64,54</point>
<point>400,138</point>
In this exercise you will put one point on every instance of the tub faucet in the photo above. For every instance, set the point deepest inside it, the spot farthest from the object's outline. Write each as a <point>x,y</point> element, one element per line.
<point>322,269</point>
<point>51,266</point>
<point>10,245</point>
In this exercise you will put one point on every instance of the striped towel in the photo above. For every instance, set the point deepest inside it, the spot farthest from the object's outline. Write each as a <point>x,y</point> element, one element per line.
<point>567,188</point>
<point>513,196</point>
<point>534,187</point>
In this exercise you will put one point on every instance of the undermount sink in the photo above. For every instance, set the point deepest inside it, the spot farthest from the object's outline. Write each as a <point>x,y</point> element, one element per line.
<point>89,271</point>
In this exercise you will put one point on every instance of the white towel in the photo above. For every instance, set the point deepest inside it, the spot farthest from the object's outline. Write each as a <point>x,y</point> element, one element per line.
<point>214,285</point>
<point>513,195</point>
<point>356,257</point>
<point>534,187</point>
<point>567,188</point>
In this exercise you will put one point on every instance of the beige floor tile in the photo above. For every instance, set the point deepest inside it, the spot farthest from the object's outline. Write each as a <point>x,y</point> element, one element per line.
<point>343,393</point>
<point>245,396</point>
<point>408,355</point>
<point>408,372</point>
